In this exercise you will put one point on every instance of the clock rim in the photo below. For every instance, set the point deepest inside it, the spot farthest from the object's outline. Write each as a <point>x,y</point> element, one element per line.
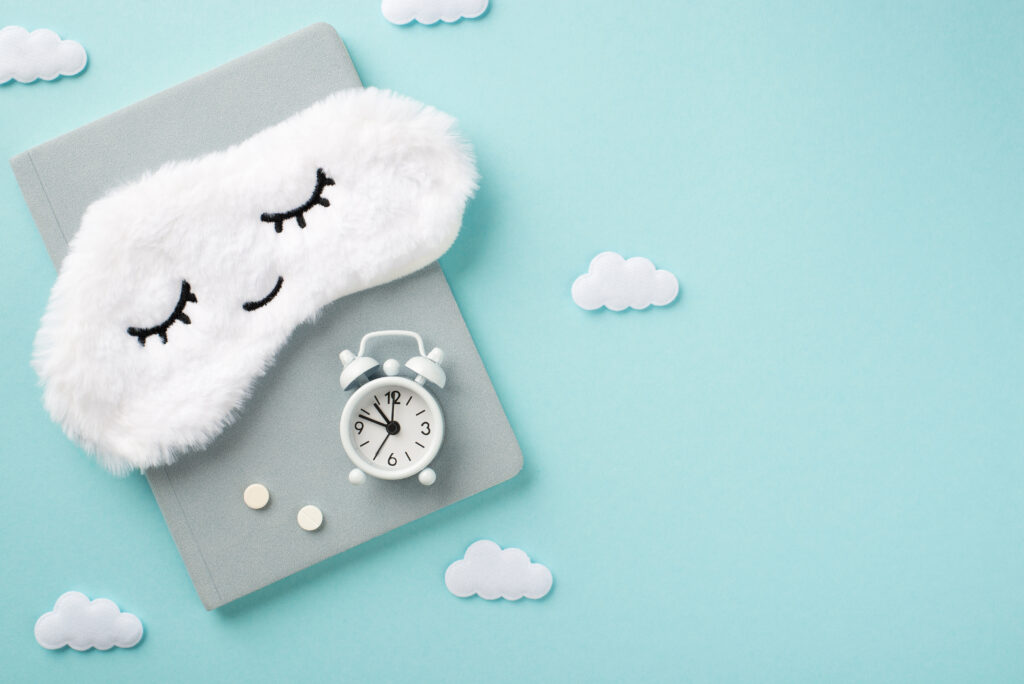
<point>352,451</point>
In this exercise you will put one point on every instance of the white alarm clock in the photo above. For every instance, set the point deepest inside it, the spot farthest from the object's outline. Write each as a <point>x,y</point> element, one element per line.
<point>391,427</point>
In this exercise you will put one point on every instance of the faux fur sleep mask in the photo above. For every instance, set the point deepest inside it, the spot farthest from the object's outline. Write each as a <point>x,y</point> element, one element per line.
<point>179,288</point>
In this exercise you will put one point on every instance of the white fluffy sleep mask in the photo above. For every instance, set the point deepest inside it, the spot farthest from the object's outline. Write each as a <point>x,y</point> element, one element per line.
<point>179,288</point>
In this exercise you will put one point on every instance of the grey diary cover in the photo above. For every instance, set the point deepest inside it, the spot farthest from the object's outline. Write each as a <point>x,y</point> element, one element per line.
<point>287,435</point>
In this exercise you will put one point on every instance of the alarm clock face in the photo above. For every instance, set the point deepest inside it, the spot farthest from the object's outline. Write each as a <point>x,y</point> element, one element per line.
<point>391,428</point>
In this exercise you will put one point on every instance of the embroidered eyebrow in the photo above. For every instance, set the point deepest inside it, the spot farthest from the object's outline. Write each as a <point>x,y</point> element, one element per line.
<point>299,213</point>
<point>178,314</point>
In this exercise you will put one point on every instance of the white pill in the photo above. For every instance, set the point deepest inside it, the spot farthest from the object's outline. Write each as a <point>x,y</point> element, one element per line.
<point>356,476</point>
<point>310,518</point>
<point>427,477</point>
<point>256,496</point>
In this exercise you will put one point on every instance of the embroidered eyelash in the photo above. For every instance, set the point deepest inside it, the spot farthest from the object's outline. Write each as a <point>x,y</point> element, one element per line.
<point>299,213</point>
<point>178,314</point>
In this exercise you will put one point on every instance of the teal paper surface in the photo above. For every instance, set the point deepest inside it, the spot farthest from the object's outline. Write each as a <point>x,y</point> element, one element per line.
<point>809,468</point>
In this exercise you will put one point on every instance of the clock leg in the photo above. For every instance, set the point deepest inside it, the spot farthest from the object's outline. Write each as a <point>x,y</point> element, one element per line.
<point>356,476</point>
<point>427,477</point>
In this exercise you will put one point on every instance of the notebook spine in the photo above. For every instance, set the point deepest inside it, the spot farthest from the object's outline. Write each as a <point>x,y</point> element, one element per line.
<point>34,191</point>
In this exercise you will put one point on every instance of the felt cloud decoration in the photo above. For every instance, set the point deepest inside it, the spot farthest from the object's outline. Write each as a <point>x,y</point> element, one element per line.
<point>491,572</point>
<point>82,624</point>
<point>26,56</point>
<point>179,288</point>
<point>618,283</point>
<point>431,11</point>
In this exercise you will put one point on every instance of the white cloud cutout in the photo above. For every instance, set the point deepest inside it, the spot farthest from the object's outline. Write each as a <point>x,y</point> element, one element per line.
<point>41,54</point>
<point>82,624</point>
<point>493,572</point>
<point>618,283</point>
<point>431,11</point>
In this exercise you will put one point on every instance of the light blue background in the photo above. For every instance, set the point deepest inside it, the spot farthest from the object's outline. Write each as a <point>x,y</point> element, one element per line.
<point>809,468</point>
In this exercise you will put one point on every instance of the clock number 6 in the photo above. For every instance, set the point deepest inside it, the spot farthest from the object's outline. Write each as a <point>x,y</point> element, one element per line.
<point>392,461</point>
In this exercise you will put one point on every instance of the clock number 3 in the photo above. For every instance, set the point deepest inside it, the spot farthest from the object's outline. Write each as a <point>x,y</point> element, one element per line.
<point>426,428</point>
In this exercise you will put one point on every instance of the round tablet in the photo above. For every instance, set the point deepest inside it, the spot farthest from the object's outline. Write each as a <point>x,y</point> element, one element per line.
<point>256,496</point>
<point>310,518</point>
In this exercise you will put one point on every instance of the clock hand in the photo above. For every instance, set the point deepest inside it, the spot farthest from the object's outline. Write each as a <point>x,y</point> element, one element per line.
<point>381,445</point>
<point>386,419</point>
<point>362,417</point>
<point>393,402</point>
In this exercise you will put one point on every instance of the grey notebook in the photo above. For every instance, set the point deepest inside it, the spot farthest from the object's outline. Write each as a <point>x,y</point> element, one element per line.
<point>287,435</point>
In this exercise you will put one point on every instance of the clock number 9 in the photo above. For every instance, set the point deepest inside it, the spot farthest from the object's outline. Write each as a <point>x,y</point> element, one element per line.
<point>358,426</point>
<point>426,428</point>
